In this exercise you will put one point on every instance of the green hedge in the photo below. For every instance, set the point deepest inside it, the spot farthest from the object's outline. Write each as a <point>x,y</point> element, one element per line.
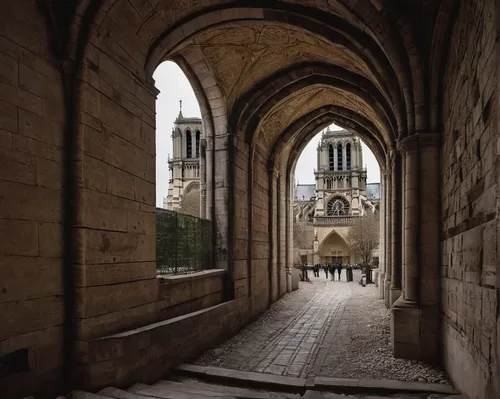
<point>183,243</point>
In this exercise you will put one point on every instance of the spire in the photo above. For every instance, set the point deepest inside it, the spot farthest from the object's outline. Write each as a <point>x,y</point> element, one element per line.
<point>180,116</point>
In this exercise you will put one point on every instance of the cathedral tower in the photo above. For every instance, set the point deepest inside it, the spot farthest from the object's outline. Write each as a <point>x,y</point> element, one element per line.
<point>184,166</point>
<point>340,177</point>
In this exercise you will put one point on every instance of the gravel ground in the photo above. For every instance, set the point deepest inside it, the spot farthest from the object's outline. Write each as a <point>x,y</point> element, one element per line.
<point>361,345</point>
<point>367,352</point>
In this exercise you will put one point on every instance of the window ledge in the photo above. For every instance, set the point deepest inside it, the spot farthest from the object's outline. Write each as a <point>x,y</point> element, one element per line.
<point>183,278</point>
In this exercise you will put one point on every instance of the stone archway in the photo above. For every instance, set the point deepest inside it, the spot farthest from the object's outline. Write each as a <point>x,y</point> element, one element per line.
<point>264,75</point>
<point>334,244</point>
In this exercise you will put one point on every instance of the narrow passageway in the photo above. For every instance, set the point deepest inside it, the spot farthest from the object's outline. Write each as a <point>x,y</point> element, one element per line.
<point>326,328</point>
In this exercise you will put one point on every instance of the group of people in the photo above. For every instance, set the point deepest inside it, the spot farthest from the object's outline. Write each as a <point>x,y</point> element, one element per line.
<point>330,268</point>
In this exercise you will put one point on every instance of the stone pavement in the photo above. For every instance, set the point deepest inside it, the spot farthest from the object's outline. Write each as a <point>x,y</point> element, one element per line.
<point>332,329</point>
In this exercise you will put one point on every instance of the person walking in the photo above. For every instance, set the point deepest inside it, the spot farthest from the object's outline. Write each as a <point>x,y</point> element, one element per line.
<point>325,268</point>
<point>331,269</point>
<point>339,269</point>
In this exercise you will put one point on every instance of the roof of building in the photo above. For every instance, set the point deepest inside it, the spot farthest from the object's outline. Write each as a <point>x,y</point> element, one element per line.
<point>340,132</point>
<point>373,191</point>
<point>304,192</point>
<point>191,120</point>
<point>181,119</point>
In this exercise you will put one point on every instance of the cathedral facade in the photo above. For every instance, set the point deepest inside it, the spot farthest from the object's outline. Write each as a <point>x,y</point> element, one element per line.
<point>184,166</point>
<point>324,211</point>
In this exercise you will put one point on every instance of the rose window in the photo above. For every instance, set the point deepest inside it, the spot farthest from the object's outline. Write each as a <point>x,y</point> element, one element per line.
<point>337,206</point>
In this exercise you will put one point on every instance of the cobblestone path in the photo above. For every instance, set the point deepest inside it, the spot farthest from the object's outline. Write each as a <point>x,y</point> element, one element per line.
<point>334,329</point>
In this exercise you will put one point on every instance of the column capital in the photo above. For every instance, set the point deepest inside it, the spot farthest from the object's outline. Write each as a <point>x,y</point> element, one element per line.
<point>418,140</point>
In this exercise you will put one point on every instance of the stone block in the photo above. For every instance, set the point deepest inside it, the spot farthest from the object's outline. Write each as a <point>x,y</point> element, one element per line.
<point>29,315</point>
<point>48,173</point>
<point>99,300</point>
<point>405,326</point>
<point>53,111</point>
<point>38,84</point>
<point>17,275</point>
<point>144,191</point>
<point>114,273</point>
<point>8,69</point>
<point>104,211</point>
<point>6,139</point>
<point>117,247</point>
<point>17,166</point>
<point>94,174</point>
<point>19,237</point>
<point>36,147</point>
<point>120,183</point>
<point>39,128</point>
<point>111,323</point>
<point>50,240</point>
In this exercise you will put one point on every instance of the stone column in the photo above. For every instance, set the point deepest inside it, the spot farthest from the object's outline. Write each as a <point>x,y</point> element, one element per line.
<point>335,155</point>
<point>354,155</point>
<point>344,156</point>
<point>387,233</point>
<point>415,315</point>
<point>203,179</point>
<point>396,242</point>
<point>381,280</point>
<point>429,246</point>
<point>360,157</point>
<point>289,220</point>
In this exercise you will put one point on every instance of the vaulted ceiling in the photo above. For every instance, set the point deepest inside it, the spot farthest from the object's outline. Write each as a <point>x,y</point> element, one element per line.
<point>265,65</point>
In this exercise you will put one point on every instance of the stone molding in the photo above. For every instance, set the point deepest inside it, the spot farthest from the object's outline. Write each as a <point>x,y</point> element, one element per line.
<point>418,140</point>
<point>190,277</point>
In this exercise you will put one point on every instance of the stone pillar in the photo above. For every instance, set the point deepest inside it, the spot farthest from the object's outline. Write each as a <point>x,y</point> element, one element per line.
<point>381,278</point>
<point>396,242</point>
<point>415,315</point>
<point>430,246</point>
<point>387,233</point>
<point>203,179</point>
<point>335,155</point>
<point>289,221</point>
<point>354,155</point>
<point>344,156</point>
<point>360,157</point>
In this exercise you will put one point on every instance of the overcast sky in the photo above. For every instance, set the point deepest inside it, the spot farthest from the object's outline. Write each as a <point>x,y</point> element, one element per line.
<point>174,86</point>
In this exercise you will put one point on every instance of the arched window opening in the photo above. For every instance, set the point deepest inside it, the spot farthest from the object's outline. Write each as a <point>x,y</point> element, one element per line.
<point>198,144</point>
<point>189,145</point>
<point>337,206</point>
<point>180,203</point>
<point>329,184</point>
<point>348,156</point>
<point>331,158</point>
<point>339,157</point>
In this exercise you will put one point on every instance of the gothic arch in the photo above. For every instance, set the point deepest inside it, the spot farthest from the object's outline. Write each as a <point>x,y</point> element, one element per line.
<point>356,39</point>
<point>306,127</point>
<point>255,105</point>
<point>335,233</point>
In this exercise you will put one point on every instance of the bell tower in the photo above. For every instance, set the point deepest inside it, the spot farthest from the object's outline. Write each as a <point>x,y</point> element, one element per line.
<point>340,176</point>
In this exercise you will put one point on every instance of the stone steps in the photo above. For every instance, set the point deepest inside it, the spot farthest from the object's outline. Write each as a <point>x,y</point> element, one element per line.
<point>182,390</point>
<point>197,382</point>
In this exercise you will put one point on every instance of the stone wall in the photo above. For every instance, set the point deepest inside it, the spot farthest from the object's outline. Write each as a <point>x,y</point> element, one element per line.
<point>469,203</point>
<point>145,354</point>
<point>31,120</point>
<point>262,281</point>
